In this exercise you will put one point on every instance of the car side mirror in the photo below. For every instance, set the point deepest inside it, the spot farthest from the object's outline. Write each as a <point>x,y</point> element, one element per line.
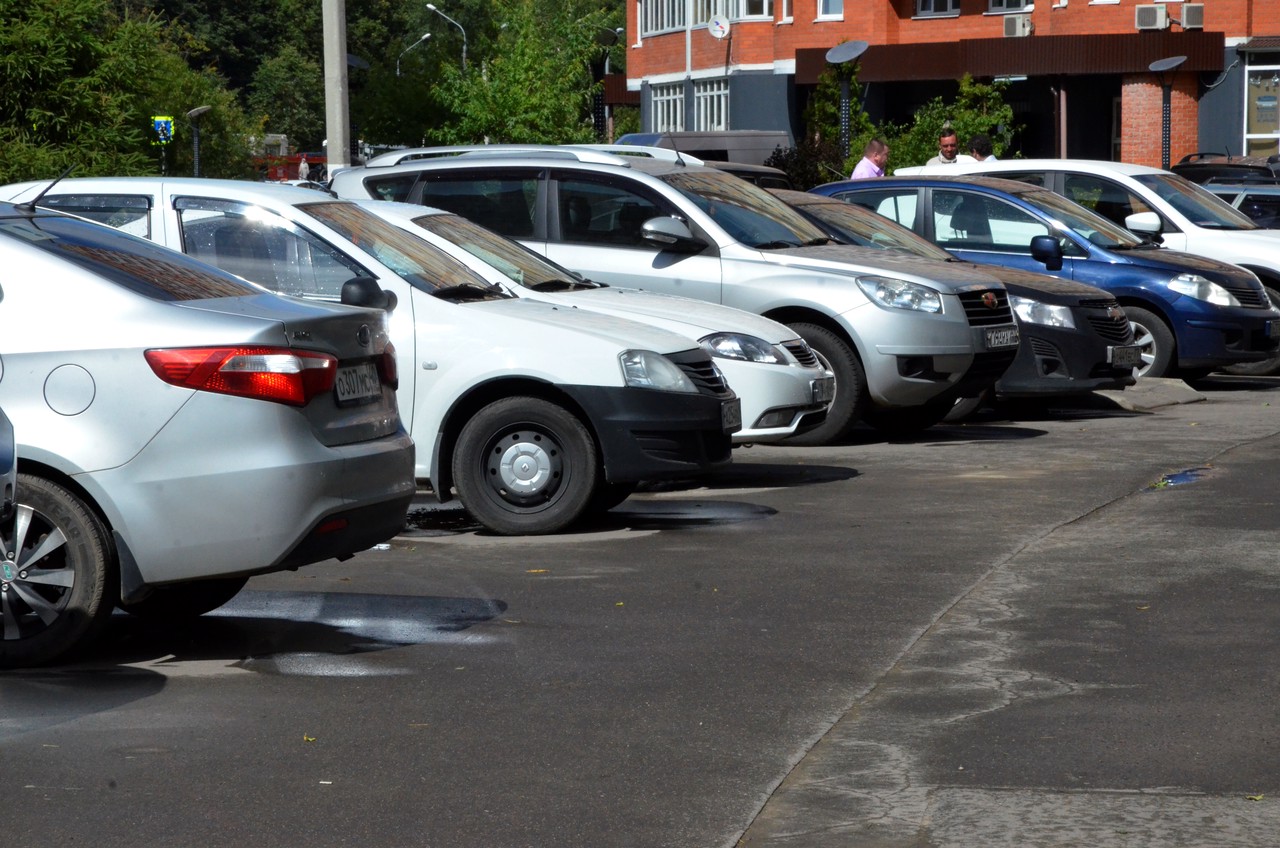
<point>364,291</point>
<point>1145,224</point>
<point>1047,250</point>
<point>671,234</point>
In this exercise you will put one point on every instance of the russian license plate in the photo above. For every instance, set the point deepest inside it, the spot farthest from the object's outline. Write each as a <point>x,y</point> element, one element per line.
<point>1273,329</point>
<point>824,389</point>
<point>1126,356</point>
<point>357,384</point>
<point>1002,337</point>
<point>731,415</point>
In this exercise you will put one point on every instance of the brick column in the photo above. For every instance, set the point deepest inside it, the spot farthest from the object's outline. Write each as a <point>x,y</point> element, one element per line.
<point>1140,118</point>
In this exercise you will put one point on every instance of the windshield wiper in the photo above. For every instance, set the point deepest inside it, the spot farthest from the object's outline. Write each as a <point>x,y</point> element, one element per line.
<point>470,291</point>
<point>563,285</point>
<point>820,241</point>
<point>775,245</point>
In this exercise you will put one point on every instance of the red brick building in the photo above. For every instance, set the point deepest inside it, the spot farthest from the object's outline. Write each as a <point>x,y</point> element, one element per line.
<point>1081,83</point>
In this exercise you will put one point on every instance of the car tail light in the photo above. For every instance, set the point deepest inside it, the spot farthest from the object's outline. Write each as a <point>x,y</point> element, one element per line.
<point>277,374</point>
<point>387,371</point>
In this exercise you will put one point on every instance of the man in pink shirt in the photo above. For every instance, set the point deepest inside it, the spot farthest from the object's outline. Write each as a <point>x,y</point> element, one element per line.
<point>874,157</point>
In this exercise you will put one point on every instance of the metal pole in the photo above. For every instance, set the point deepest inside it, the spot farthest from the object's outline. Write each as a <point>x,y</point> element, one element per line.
<point>844,116</point>
<point>1165,109</point>
<point>195,148</point>
<point>337,109</point>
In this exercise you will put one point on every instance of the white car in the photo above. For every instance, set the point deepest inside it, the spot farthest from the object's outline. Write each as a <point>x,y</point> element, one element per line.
<point>1186,216</point>
<point>783,387</point>
<point>535,414</point>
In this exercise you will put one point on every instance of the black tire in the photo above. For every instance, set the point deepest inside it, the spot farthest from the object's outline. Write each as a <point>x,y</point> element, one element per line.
<point>553,482</point>
<point>851,399</point>
<point>608,495</point>
<point>58,575</point>
<point>1267,367</point>
<point>180,602</point>
<point>1152,334</point>
<point>901,421</point>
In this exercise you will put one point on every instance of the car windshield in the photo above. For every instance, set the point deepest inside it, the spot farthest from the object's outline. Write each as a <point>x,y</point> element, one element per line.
<point>1088,225</point>
<point>748,213</point>
<point>1199,205</point>
<point>412,259</point>
<point>132,263</point>
<point>516,262</point>
<point>866,228</point>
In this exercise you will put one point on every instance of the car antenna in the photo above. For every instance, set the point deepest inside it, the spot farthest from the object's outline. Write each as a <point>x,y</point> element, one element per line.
<point>30,205</point>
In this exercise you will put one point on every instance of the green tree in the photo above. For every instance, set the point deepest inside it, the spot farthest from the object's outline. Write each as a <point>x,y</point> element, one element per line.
<point>977,107</point>
<point>287,96</point>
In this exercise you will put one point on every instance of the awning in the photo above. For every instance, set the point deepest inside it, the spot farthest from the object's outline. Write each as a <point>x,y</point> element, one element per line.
<point>1260,44</point>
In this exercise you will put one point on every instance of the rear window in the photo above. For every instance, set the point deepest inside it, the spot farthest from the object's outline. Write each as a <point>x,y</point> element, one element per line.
<point>131,263</point>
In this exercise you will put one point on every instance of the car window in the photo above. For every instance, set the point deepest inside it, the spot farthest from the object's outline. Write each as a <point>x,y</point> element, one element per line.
<point>1109,199</point>
<point>967,221</point>
<point>127,213</point>
<point>747,213</point>
<point>264,247</point>
<point>1035,178</point>
<point>1263,209</point>
<point>866,228</point>
<point>600,211</point>
<point>1200,206</point>
<point>132,263</point>
<point>391,187</point>
<point>504,202</point>
<point>896,204</point>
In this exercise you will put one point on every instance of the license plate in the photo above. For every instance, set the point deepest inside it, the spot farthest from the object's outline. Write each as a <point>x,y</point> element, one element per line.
<point>824,389</point>
<point>1002,337</point>
<point>357,384</point>
<point>731,415</point>
<point>1273,329</point>
<point>1126,356</point>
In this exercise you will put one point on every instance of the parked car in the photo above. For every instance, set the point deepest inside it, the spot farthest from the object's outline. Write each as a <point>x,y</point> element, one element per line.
<point>1259,200</point>
<point>1203,167</point>
<point>783,388</point>
<point>535,415</point>
<point>179,430</point>
<point>903,340</point>
<point>8,474</point>
<point>1075,338</point>
<point>1190,314</point>
<point>1156,204</point>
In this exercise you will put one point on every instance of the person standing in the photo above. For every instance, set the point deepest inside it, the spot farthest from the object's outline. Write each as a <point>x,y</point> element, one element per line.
<point>980,148</point>
<point>304,169</point>
<point>874,157</point>
<point>948,148</point>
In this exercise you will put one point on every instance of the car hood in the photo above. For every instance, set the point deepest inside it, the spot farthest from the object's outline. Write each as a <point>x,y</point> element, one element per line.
<point>1262,246</point>
<point>1183,263</point>
<point>1043,287</point>
<point>851,259</point>
<point>683,315</point>
<point>622,332</point>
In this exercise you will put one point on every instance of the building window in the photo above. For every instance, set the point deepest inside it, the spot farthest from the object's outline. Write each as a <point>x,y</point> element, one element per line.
<point>668,107</point>
<point>1003,5</point>
<point>753,8</point>
<point>933,8</point>
<point>711,100</point>
<point>661,16</point>
<point>830,8</point>
<point>1261,117</point>
<point>704,10</point>
<point>785,6</point>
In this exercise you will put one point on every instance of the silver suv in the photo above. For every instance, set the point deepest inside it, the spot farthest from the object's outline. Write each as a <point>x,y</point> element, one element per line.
<point>904,338</point>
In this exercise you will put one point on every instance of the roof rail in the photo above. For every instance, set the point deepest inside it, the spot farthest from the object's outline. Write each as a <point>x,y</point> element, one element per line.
<point>581,153</point>
<point>664,154</point>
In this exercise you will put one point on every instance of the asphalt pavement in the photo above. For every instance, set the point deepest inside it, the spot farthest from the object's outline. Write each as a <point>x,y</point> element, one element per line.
<point>1043,627</point>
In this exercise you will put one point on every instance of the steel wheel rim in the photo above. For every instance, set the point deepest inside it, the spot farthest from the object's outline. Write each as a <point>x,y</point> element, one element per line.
<point>524,467</point>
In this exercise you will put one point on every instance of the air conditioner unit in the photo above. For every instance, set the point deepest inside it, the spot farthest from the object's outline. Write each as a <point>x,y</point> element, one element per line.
<point>1016,26</point>
<point>1193,16</point>
<point>1151,17</point>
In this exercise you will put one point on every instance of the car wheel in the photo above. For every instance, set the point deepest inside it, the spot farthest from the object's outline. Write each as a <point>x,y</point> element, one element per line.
<point>182,601</point>
<point>910,419</point>
<point>1267,367</point>
<point>608,495</point>
<point>56,575</point>
<point>524,466</point>
<point>1154,337</point>
<point>851,398</point>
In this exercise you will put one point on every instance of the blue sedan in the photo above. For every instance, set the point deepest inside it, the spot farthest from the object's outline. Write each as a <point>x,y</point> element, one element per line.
<point>1191,315</point>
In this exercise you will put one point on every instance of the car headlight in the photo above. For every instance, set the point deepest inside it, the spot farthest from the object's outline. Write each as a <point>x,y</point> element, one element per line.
<point>644,369</point>
<point>746,348</point>
<point>1194,285</point>
<point>899,294</point>
<point>1035,312</point>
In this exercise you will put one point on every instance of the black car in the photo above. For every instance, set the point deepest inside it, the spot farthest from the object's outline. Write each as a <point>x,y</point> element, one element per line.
<point>1203,167</point>
<point>1075,337</point>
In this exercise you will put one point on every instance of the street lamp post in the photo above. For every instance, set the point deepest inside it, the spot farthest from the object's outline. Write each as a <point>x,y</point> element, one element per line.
<point>194,117</point>
<point>843,54</point>
<point>432,7</point>
<point>1163,69</point>
<point>407,49</point>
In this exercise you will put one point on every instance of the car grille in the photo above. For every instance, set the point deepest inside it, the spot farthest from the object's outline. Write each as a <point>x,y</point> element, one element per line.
<point>1245,293</point>
<point>803,353</point>
<point>981,315</point>
<point>699,368</point>
<point>1113,330</point>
